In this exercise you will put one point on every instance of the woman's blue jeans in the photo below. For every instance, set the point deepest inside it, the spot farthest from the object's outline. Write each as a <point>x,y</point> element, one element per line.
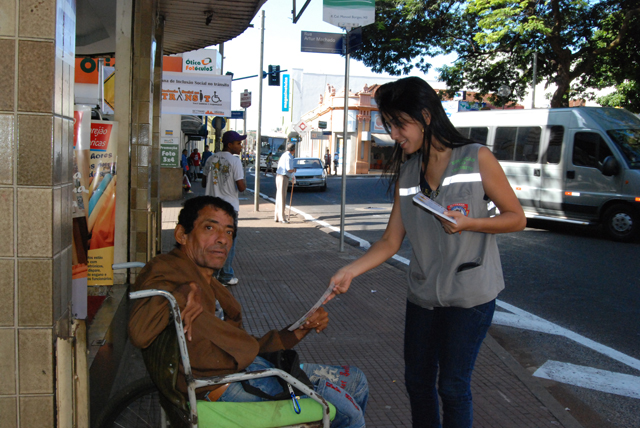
<point>446,340</point>
<point>343,386</point>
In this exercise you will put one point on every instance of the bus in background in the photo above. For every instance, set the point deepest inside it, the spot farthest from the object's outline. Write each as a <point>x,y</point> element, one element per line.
<point>276,145</point>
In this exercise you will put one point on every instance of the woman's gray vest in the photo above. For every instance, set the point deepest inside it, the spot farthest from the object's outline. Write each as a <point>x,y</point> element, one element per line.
<point>434,280</point>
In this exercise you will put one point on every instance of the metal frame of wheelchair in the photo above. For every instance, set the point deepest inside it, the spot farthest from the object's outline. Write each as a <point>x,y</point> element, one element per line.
<point>193,383</point>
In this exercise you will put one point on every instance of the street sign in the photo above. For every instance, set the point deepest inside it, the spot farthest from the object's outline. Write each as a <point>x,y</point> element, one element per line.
<point>245,99</point>
<point>300,127</point>
<point>312,41</point>
<point>322,124</point>
<point>285,92</point>
<point>349,14</point>
<point>318,135</point>
<point>237,114</point>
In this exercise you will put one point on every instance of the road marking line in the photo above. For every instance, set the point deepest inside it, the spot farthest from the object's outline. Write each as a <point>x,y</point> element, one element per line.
<point>525,320</point>
<point>518,317</point>
<point>588,377</point>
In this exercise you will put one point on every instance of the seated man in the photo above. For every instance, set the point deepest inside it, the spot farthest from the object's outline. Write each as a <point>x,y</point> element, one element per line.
<point>217,343</point>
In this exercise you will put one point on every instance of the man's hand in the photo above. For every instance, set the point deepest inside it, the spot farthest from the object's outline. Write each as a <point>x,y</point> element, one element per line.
<point>318,322</point>
<point>192,309</point>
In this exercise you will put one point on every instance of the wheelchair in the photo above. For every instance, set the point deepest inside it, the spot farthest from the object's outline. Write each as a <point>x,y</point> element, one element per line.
<point>156,402</point>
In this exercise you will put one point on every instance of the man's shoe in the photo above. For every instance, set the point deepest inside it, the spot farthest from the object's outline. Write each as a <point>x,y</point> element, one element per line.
<point>232,281</point>
<point>284,221</point>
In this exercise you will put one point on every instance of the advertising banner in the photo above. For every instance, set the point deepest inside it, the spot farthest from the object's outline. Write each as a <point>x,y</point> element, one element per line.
<point>196,94</point>
<point>81,184</point>
<point>285,92</point>
<point>202,61</point>
<point>169,152</point>
<point>101,207</point>
<point>349,13</point>
<point>376,123</point>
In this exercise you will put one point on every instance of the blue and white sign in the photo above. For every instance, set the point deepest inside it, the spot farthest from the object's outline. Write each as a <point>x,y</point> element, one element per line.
<point>285,92</point>
<point>237,114</point>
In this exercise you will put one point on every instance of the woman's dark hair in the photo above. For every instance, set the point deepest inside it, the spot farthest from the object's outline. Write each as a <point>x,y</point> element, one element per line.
<point>413,96</point>
<point>191,210</point>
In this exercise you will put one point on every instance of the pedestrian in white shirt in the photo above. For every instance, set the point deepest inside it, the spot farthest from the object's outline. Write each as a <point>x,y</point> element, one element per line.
<point>224,178</point>
<point>284,173</point>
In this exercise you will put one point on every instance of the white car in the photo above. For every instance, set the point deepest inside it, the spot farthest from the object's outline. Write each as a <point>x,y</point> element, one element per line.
<point>310,172</point>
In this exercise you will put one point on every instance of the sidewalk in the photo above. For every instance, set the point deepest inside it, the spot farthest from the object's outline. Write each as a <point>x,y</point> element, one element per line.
<point>283,269</point>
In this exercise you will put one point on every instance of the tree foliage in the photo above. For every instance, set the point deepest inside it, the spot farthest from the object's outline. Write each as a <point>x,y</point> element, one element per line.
<point>581,45</point>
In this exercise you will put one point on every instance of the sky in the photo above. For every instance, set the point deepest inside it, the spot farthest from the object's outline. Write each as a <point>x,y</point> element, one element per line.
<point>282,47</point>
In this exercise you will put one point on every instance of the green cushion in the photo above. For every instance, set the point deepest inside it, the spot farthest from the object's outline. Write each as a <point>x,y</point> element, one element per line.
<point>263,414</point>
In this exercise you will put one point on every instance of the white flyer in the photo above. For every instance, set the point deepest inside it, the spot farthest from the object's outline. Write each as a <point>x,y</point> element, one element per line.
<point>315,307</point>
<point>432,206</point>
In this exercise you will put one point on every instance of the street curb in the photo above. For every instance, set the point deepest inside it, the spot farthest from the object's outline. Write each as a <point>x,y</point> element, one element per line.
<point>539,391</point>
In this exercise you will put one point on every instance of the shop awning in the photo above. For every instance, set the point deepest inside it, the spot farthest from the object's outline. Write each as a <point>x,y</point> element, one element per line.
<point>383,140</point>
<point>188,24</point>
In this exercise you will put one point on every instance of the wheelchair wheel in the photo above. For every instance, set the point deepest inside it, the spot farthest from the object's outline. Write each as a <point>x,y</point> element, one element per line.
<point>138,405</point>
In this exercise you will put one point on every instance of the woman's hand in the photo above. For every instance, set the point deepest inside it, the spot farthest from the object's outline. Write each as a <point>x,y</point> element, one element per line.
<point>462,222</point>
<point>340,281</point>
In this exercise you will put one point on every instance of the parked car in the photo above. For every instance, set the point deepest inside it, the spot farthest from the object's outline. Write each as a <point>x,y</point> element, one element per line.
<point>310,172</point>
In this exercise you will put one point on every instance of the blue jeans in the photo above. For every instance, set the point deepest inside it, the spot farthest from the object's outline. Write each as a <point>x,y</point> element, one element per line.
<point>343,386</point>
<point>447,339</point>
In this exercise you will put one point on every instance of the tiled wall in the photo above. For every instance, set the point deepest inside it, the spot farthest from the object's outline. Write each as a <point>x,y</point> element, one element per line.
<point>36,131</point>
<point>141,199</point>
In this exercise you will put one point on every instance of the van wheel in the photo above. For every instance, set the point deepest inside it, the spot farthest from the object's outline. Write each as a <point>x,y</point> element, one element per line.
<point>621,223</point>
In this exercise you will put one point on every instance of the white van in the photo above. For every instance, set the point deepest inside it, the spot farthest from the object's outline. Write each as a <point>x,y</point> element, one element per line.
<point>577,165</point>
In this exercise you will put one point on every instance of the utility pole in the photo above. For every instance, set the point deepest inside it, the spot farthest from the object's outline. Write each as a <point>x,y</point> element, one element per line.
<point>535,77</point>
<point>344,142</point>
<point>256,194</point>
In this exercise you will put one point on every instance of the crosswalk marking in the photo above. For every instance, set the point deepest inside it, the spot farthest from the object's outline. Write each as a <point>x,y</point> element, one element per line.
<point>588,377</point>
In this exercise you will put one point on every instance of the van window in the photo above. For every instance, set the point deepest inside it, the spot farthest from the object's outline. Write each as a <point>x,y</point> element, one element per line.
<point>479,134</point>
<point>554,148</point>
<point>519,144</point>
<point>589,149</point>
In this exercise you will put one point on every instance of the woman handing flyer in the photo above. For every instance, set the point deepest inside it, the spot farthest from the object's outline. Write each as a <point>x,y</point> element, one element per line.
<point>455,273</point>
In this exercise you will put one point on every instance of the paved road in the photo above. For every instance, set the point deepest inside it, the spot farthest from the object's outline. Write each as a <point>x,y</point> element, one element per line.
<point>584,289</point>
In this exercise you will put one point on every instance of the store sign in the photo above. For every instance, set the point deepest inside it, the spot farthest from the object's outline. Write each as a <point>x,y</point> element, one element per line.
<point>191,94</point>
<point>203,61</point>
<point>349,13</point>
<point>285,92</point>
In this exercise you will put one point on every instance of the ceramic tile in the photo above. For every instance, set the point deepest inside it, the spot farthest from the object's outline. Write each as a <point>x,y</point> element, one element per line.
<point>35,136</point>
<point>7,146</point>
<point>8,411</point>
<point>144,153</point>
<point>37,19</point>
<point>141,242</point>
<point>7,248</point>
<point>57,220</point>
<point>57,151</point>
<point>65,278</point>
<point>144,113</point>
<point>35,222</point>
<point>57,85</point>
<point>7,361</point>
<point>143,178</point>
<point>7,70</point>
<point>35,293</point>
<point>8,17</point>
<point>37,412</point>
<point>35,362</point>
<point>142,199</point>
<point>67,220</point>
<point>7,293</point>
<point>35,84</point>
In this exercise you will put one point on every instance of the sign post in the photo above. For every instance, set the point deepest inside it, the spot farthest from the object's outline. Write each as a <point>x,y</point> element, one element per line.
<point>347,15</point>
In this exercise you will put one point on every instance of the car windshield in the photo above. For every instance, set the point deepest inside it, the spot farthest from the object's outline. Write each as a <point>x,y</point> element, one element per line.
<point>628,141</point>
<point>308,163</point>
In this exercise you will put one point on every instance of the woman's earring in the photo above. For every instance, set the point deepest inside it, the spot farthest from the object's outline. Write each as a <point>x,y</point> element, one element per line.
<point>423,130</point>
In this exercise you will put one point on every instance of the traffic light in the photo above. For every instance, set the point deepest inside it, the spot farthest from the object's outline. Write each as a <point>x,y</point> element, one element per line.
<point>274,75</point>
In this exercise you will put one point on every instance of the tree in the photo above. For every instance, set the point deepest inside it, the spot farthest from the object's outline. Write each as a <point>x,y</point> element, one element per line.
<point>581,44</point>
